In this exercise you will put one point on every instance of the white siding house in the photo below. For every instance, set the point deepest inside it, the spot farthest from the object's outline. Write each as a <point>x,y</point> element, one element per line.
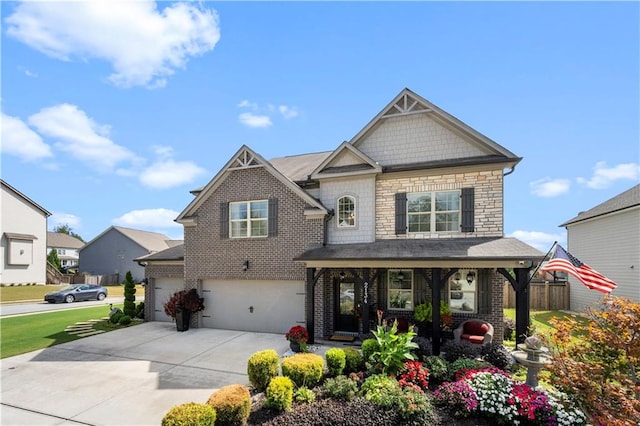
<point>607,238</point>
<point>23,250</point>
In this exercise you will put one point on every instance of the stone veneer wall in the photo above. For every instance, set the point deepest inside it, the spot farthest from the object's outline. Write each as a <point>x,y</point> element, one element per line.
<point>489,210</point>
<point>208,256</point>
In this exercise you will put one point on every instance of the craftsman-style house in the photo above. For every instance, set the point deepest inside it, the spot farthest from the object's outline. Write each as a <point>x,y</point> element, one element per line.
<point>409,210</point>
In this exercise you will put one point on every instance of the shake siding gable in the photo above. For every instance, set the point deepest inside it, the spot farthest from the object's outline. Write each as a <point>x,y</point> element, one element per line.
<point>211,256</point>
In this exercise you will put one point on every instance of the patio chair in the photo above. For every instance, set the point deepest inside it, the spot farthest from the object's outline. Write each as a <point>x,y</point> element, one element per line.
<point>474,331</point>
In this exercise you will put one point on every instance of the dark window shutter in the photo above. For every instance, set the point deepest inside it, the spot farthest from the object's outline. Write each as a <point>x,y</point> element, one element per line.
<point>468,212</point>
<point>224,220</point>
<point>484,292</point>
<point>401,213</point>
<point>273,217</point>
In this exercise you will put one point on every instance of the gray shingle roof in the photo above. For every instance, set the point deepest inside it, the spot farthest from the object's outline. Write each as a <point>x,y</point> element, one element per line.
<point>61,240</point>
<point>299,167</point>
<point>628,198</point>
<point>435,249</point>
<point>172,253</point>
<point>151,241</point>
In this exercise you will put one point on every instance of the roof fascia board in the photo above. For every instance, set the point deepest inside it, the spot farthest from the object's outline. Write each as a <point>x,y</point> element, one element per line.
<point>600,216</point>
<point>417,263</point>
<point>25,198</point>
<point>435,170</point>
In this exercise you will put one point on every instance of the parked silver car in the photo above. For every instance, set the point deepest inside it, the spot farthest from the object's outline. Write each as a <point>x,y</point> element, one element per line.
<point>77,293</point>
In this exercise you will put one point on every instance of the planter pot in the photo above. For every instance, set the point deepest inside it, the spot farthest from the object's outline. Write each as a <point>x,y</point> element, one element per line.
<point>295,346</point>
<point>183,319</point>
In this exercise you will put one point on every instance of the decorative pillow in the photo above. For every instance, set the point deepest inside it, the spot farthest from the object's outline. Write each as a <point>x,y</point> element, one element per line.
<point>476,328</point>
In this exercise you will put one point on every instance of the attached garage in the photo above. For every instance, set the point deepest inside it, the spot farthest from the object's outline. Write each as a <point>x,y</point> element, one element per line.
<point>163,288</point>
<point>260,306</point>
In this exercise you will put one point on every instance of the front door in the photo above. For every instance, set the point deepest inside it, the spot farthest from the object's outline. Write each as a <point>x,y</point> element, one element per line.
<point>347,305</point>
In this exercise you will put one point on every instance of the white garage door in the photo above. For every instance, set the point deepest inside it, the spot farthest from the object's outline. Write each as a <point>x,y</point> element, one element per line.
<point>262,306</point>
<point>163,289</point>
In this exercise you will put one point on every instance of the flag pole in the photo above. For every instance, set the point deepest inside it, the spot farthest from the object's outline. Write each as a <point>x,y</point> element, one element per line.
<point>555,243</point>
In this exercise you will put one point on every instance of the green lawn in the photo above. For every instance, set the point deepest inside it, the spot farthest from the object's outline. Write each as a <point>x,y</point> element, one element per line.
<point>37,292</point>
<point>26,333</point>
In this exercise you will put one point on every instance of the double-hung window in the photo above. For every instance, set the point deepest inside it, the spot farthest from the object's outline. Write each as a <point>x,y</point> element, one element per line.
<point>433,211</point>
<point>400,290</point>
<point>346,212</point>
<point>248,219</point>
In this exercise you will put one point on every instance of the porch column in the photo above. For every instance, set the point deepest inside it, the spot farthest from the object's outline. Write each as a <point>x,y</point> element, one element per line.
<point>522,303</point>
<point>366,274</point>
<point>310,305</point>
<point>436,283</point>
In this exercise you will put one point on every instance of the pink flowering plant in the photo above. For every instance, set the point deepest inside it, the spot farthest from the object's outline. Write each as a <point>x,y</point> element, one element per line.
<point>458,396</point>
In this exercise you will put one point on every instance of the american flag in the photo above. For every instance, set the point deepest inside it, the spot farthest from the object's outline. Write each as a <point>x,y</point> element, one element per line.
<point>562,260</point>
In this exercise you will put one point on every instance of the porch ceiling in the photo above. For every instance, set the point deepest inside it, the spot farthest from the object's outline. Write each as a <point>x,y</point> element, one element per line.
<point>482,252</point>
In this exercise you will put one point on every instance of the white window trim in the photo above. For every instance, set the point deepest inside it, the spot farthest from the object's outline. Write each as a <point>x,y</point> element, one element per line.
<point>408,276</point>
<point>466,289</point>
<point>248,220</point>
<point>433,213</point>
<point>355,210</point>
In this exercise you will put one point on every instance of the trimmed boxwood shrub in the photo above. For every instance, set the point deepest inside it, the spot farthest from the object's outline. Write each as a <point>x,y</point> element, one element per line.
<point>353,360</point>
<point>262,367</point>
<point>232,404</point>
<point>124,320</point>
<point>191,413</point>
<point>279,394</point>
<point>303,369</point>
<point>336,361</point>
<point>369,347</point>
<point>115,318</point>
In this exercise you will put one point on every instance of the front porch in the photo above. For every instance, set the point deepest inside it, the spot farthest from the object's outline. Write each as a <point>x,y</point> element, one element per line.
<point>348,284</point>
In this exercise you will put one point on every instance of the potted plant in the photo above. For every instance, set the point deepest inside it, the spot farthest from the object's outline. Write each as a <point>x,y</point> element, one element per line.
<point>423,314</point>
<point>298,338</point>
<point>181,305</point>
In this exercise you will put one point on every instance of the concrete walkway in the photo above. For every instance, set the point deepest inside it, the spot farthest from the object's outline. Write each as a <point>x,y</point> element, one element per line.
<point>131,376</point>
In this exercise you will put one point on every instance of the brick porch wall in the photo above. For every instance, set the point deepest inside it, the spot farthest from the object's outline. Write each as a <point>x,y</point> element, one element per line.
<point>153,271</point>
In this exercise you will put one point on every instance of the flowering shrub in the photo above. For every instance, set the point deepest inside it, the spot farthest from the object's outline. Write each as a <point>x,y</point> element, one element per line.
<point>458,396</point>
<point>494,394</point>
<point>414,375</point>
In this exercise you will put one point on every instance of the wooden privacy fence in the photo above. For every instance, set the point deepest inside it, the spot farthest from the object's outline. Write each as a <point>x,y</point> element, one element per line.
<point>543,296</point>
<point>96,279</point>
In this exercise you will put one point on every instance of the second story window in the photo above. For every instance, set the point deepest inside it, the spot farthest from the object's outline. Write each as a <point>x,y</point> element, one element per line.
<point>433,211</point>
<point>346,212</point>
<point>248,219</point>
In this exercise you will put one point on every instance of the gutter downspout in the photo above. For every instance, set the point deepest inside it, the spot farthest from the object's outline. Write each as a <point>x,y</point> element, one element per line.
<point>326,222</point>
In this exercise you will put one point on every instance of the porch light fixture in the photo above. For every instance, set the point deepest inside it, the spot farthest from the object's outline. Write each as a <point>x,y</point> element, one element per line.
<point>471,277</point>
<point>400,276</point>
<point>457,277</point>
<point>245,265</point>
<point>342,275</point>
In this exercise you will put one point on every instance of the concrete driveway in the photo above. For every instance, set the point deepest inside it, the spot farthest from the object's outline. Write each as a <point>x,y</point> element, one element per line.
<point>131,376</point>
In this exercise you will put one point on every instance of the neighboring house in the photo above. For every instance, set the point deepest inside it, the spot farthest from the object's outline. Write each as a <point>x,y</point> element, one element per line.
<point>23,251</point>
<point>607,238</point>
<point>66,247</point>
<point>114,251</point>
<point>409,210</point>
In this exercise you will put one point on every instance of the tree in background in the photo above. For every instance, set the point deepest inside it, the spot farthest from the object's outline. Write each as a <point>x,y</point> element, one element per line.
<point>129,307</point>
<point>53,259</point>
<point>66,229</point>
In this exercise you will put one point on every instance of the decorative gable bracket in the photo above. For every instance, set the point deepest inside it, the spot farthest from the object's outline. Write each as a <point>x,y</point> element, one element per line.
<point>405,105</point>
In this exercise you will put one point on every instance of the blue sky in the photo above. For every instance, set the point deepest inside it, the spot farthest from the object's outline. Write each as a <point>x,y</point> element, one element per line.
<point>113,112</point>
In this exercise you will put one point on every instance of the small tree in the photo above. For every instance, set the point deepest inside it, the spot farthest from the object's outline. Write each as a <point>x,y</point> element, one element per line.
<point>66,229</point>
<point>129,307</point>
<point>53,259</point>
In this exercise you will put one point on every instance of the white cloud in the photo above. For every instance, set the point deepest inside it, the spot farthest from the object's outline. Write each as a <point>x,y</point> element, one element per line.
<point>165,174</point>
<point>254,120</point>
<point>540,240</point>
<point>603,177</point>
<point>19,140</point>
<point>143,44</point>
<point>246,104</point>
<point>148,219</point>
<point>57,219</point>
<point>81,137</point>
<point>162,151</point>
<point>548,187</point>
<point>28,72</point>
<point>288,112</point>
